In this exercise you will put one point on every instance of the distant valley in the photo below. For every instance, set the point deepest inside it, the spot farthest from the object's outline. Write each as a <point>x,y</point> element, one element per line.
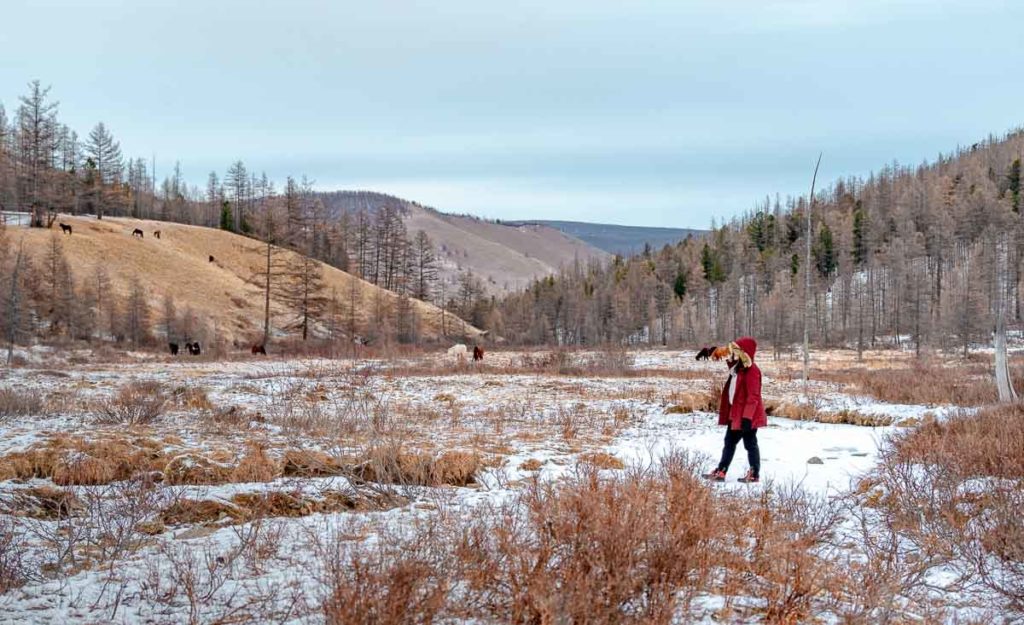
<point>616,239</point>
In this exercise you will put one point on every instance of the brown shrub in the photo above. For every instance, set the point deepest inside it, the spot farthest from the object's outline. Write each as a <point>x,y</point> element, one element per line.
<point>400,580</point>
<point>592,550</point>
<point>952,491</point>
<point>990,443</point>
<point>137,403</point>
<point>193,398</point>
<point>13,571</point>
<point>18,403</point>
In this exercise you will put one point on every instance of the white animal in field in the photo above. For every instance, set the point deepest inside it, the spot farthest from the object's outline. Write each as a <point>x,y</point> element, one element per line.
<point>458,352</point>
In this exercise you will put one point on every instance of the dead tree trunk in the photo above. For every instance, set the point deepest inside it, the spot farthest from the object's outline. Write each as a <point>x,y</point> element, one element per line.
<point>1003,382</point>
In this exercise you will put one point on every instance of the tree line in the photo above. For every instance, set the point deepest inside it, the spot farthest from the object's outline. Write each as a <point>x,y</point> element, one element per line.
<point>909,256</point>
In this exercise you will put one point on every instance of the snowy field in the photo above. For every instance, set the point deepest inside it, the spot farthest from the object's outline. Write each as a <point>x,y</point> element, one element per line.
<point>179,545</point>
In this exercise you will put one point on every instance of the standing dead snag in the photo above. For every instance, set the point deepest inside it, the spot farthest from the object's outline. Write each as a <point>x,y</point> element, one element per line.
<point>1004,383</point>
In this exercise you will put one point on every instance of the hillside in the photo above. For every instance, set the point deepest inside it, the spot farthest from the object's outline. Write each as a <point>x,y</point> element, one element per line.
<point>506,257</point>
<point>616,239</point>
<point>220,293</point>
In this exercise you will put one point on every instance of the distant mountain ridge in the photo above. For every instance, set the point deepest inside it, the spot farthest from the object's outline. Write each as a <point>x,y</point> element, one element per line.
<point>505,256</point>
<point>614,238</point>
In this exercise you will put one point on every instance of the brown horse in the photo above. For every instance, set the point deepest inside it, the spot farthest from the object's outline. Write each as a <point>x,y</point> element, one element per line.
<point>478,353</point>
<point>137,233</point>
<point>65,228</point>
<point>259,349</point>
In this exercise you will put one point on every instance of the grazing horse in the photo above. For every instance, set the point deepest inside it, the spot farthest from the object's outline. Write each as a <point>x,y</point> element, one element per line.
<point>65,228</point>
<point>174,348</point>
<point>195,350</point>
<point>211,258</point>
<point>156,233</point>
<point>259,349</point>
<point>137,233</point>
<point>478,353</point>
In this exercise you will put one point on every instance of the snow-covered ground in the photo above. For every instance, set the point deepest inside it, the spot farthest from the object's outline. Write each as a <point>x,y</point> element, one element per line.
<point>512,418</point>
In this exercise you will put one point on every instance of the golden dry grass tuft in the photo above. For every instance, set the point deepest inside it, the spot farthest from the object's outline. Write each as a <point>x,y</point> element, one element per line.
<point>192,468</point>
<point>45,502</point>
<point>256,465</point>
<point>310,463</point>
<point>532,464</point>
<point>600,460</point>
<point>393,464</point>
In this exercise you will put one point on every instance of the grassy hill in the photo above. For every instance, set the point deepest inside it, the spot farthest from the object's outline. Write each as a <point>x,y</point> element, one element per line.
<point>221,293</point>
<point>505,257</point>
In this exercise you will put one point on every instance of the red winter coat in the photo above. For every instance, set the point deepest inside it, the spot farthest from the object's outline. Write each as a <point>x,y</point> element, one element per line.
<point>747,403</point>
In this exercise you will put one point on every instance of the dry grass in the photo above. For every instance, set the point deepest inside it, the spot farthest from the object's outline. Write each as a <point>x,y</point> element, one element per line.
<point>21,403</point>
<point>929,384</point>
<point>532,464</point>
<point>137,403</point>
<point>391,463</point>
<point>248,507</point>
<point>953,492</point>
<point>635,548</point>
<point>107,457</point>
<point>45,502</point>
<point>600,460</point>
<point>310,463</point>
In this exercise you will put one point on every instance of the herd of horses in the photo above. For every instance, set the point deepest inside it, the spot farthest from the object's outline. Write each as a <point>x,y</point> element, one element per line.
<point>138,232</point>
<point>260,349</point>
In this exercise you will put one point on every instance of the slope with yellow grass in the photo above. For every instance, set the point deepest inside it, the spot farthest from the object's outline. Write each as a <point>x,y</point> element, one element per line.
<point>224,294</point>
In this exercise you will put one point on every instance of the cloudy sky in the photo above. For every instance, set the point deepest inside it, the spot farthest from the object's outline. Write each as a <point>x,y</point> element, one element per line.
<point>665,113</point>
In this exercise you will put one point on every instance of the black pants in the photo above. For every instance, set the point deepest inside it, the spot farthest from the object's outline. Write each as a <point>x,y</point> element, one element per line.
<point>749,436</point>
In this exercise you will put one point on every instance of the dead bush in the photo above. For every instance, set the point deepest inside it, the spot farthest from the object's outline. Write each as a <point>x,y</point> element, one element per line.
<point>987,444</point>
<point>401,580</point>
<point>12,564</point>
<point>137,403</point>
<point>952,492</point>
<point>594,550</point>
<point>21,403</point>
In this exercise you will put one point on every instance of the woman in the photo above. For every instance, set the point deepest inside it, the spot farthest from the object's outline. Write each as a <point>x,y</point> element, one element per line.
<point>741,409</point>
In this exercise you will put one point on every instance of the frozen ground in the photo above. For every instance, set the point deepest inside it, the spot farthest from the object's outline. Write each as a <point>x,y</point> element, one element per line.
<point>510,417</point>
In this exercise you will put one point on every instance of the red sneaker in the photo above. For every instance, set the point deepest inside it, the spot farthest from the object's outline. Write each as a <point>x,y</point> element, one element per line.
<point>750,478</point>
<point>717,475</point>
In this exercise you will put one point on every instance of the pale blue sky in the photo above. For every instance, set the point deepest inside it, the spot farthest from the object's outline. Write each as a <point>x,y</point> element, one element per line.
<point>650,113</point>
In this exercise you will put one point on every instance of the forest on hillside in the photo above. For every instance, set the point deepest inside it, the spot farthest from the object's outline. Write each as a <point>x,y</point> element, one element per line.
<point>912,256</point>
<point>47,169</point>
